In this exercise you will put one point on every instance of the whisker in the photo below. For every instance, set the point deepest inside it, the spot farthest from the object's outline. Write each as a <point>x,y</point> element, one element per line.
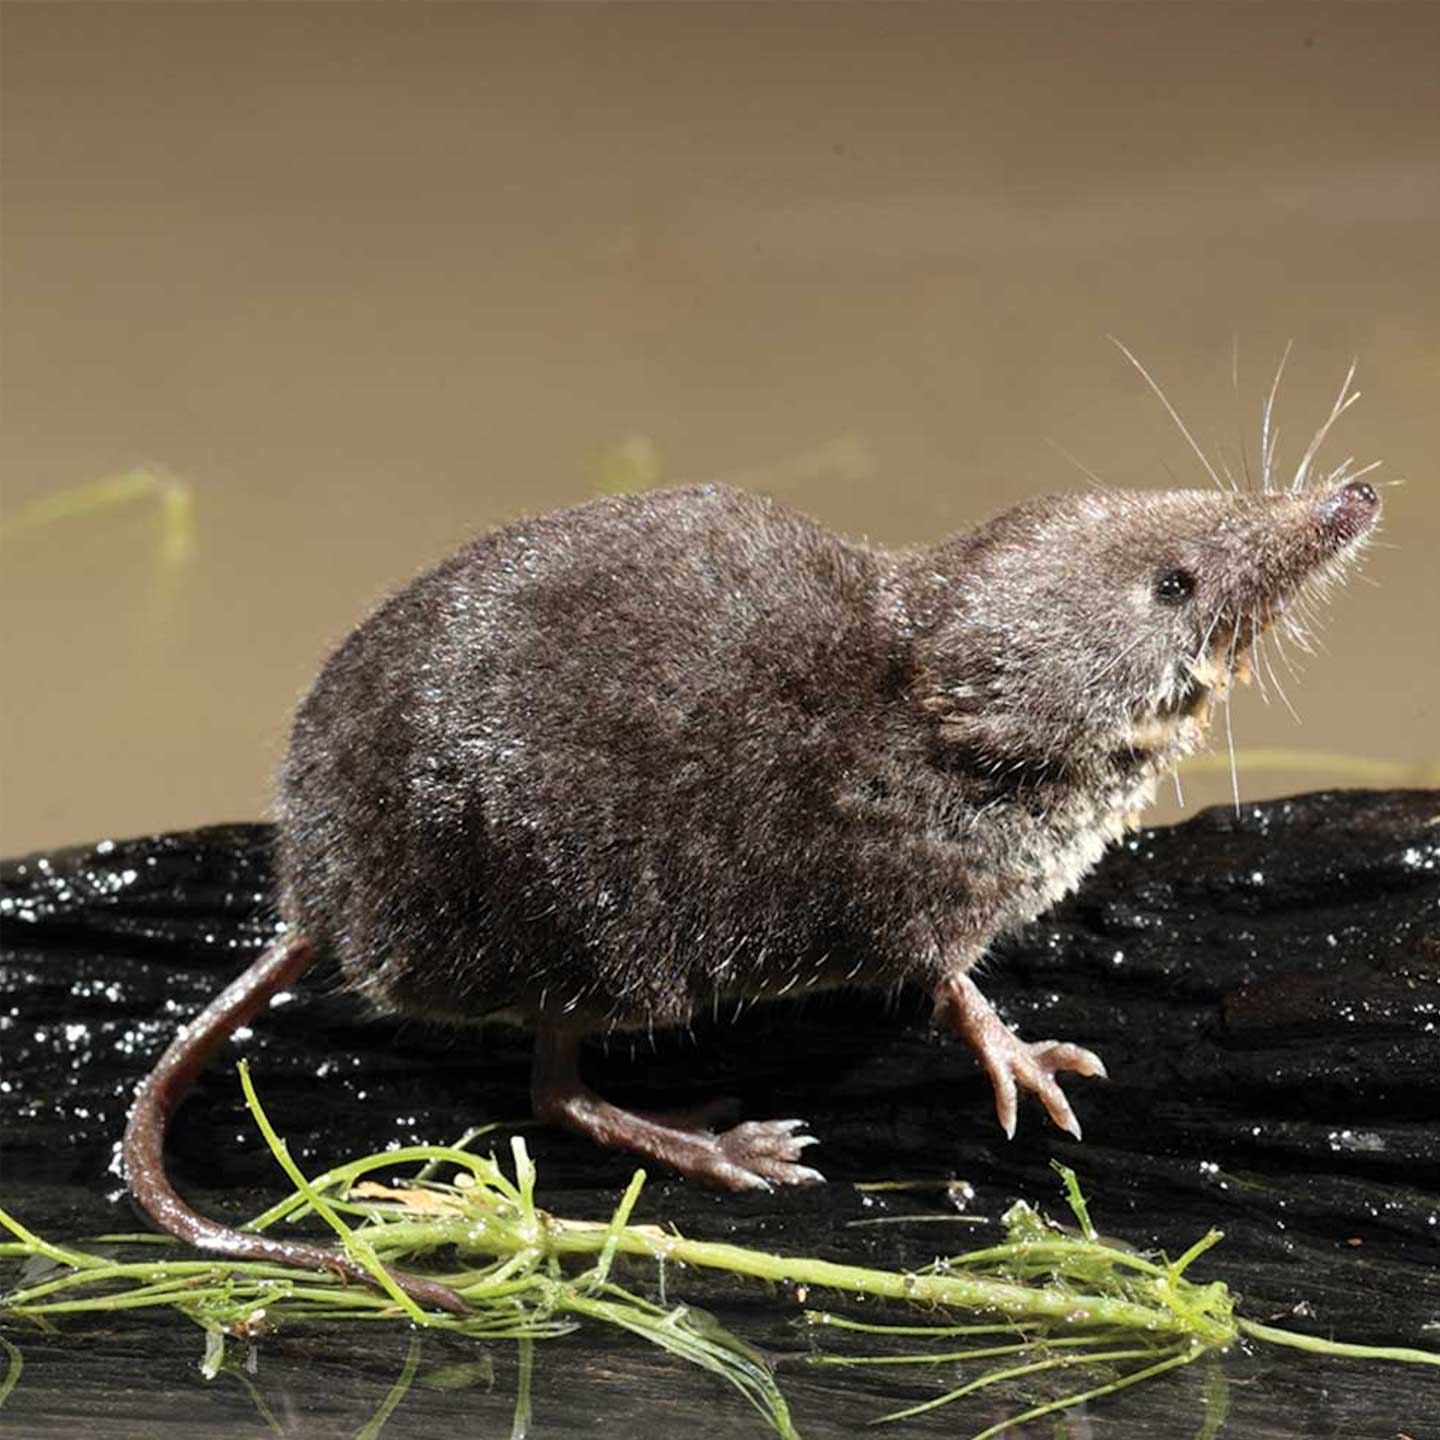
<point>1209,631</point>
<point>1343,401</point>
<point>1267,435</point>
<point>1085,470</point>
<point>1366,470</point>
<point>1290,664</point>
<point>1115,660</point>
<point>1269,462</point>
<point>1229,474</point>
<point>1160,394</point>
<point>1229,728</point>
<point>1275,678</point>
<point>1239,428</point>
<point>1257,645</point>
<point>1340,472</point>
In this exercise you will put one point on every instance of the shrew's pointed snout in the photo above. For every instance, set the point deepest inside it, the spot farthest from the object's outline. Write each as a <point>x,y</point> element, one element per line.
<point>1348,512</point>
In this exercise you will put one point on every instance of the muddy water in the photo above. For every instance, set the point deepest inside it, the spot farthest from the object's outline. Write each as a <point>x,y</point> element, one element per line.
<point>370,278</point>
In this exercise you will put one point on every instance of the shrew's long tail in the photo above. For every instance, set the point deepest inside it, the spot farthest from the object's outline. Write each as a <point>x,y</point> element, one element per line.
<point>168,1083</point>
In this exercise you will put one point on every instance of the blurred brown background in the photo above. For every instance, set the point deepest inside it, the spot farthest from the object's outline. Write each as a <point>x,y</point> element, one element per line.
<point>369,278</point>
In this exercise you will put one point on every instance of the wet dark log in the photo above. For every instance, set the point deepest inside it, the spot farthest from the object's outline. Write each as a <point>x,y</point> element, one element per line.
<point>1265,988</point>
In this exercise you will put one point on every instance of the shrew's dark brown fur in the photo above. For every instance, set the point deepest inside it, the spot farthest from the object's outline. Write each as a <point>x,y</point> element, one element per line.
<point>604,764</point>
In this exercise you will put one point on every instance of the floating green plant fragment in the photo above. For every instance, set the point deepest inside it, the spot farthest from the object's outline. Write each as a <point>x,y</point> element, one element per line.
<point>173,496</point>
<point>628,465</point>
<point>1044,1301</point>
<point>14,1365</point>
<point>520,1425</point>
<point>170,499</point>
<point>398,1392</point>
<point>463,1375</point>
<point>1075,1199</point>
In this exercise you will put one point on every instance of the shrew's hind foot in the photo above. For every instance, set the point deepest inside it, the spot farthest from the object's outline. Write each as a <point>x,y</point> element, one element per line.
<point>755,1155</point>
<point>768,1151</point>
<point>1012,1063</point>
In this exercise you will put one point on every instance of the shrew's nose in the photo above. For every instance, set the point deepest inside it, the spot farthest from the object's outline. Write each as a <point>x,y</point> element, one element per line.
<point>1350,511</point>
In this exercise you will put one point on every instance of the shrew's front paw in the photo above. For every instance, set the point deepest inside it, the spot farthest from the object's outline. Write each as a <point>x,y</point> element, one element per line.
<point>1014,1064</point>
<point>1011,1063</point>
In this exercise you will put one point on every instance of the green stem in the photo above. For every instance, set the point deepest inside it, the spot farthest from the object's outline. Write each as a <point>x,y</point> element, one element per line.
<point>1015,1372</point>
<point>961,1292</point>
<point>398,1392</point>
<point>1042,1253</point>
<point>953,1291</point>
<point>1184,1357</point>
<point>990,1352</point>
<point>36,1246</point>
<point>12,1370</point>
<point>600,1272</point>
<point>1316,1346</point>
<point>131,1300</point>
<point>168,1270</point>
<point>1204,1243</point>
<point>842,1322</point>
<point>355,1245</point>
<point>520,1422</point>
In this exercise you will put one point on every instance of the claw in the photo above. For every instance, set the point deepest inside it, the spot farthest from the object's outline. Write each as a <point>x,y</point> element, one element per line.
<point>1061,1055</point>
<point>1011,1063</point>
<point>1059,1110</point>
<point>1006,1099</point>
<point>804,1175</point>
<point>737,1178</point>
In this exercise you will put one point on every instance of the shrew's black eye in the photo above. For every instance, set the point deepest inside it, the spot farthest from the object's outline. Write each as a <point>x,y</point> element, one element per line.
<point>1174,587</point>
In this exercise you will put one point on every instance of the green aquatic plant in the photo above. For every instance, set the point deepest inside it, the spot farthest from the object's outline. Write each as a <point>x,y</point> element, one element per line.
<point>169,499</point>
<point>172,499</point>
<point>629,464</point>
<point>1044,1301</point>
